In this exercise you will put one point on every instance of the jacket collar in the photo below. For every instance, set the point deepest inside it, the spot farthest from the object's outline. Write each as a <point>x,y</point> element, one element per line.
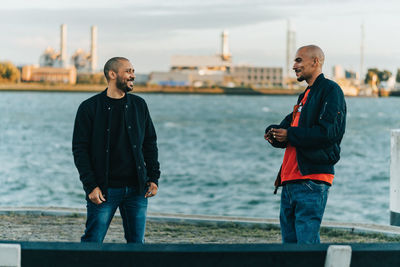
<point>104,95</point>
<point>317,81</point>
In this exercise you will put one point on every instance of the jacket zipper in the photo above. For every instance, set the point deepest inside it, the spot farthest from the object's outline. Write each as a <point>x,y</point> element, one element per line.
<point>323,110</point>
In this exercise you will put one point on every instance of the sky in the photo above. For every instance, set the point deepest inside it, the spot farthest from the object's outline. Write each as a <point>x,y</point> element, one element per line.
<point>150,32</point>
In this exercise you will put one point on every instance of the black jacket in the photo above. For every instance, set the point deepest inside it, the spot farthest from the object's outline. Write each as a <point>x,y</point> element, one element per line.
<point>321,128</point>
<point>91,141</point>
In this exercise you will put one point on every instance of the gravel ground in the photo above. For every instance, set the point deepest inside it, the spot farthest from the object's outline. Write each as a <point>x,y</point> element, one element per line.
<point>26,227</point>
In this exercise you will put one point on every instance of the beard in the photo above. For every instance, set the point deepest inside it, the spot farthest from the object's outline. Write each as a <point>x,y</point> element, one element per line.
<point>123,86</point>
<point>301,78</point>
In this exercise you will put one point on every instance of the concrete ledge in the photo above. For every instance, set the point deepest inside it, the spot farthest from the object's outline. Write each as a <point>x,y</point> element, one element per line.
<point>387,230</point>
<point>10,255</point>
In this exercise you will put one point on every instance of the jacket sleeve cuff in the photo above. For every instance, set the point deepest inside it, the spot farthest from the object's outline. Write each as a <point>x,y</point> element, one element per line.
<point>153,180</point>
<point>271,126</point>
<point>89,188</point>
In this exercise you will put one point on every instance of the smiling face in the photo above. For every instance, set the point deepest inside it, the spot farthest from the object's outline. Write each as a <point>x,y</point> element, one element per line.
<point>304,65</point>
<point>125,76</point>
<point>308,63</point>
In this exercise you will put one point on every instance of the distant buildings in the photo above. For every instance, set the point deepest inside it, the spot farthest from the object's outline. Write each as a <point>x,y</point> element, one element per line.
<point>185,71</point>
<point>53,66</point>
<point>86,62</point>
<point>259,77</point>
<point>34,73</point>
<point>215,70</point>
<point>52,58</point>
<point>347,79</point>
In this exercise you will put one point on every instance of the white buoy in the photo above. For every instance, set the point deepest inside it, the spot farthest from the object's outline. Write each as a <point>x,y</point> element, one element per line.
<point>395,178</point>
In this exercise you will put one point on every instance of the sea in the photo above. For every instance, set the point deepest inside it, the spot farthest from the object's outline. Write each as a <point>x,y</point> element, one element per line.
<point>214,159</point>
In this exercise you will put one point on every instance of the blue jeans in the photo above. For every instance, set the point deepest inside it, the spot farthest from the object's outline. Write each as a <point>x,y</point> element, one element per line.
<point>302,207</point>
<point>133,208</point>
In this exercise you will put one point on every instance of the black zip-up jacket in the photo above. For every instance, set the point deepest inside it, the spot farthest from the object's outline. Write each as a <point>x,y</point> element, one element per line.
<point>321,128</point>
<point>91,141</point>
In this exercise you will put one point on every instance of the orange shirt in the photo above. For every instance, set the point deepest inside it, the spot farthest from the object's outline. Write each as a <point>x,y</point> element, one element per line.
<point>290,169</point>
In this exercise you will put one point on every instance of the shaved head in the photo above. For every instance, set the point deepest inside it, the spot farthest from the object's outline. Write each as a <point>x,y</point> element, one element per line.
<point>308,63</point>
<point>313,52</point>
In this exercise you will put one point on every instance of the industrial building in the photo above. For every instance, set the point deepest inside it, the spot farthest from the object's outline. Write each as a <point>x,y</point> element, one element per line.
<point>347,79</point>
<point>34,73</point>
<point>258,77</point>
<point>215,70</point>
<point>53,65</point>
<point>52,58</point>
<point>86,62</point>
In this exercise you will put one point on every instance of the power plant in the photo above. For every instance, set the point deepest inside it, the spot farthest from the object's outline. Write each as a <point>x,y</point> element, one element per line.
<point>86,62</point>
<point>51,58</point>
<point>81,60</point>
<point>53,65</point>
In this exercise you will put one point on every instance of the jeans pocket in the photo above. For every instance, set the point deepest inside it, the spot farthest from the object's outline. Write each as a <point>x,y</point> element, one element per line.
<point>308,185</point>
<point>315,186</point>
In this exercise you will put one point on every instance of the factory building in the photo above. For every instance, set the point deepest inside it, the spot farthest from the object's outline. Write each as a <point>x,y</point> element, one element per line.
<point>198,71</point>
<point>257,77</point>
<point>34,73</point>
<point>86,62</point>
<point>186,78</point>
<point>205,65</point>
<point>53,66</point>
<point>215,70</point>
<point>51,58</point>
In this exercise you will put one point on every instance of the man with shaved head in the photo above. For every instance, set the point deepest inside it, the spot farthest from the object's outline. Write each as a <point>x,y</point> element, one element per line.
<point>311,135</point>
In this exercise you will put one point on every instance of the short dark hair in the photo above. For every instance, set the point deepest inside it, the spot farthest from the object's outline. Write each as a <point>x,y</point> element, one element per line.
<point>113,64</point>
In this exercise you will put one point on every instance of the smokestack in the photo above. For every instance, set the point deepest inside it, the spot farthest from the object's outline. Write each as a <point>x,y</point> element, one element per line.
<point>93,49</point>
<point>290,49</point>
<point>63,45</point>
<point>362,54</point>
<point>225,46</point>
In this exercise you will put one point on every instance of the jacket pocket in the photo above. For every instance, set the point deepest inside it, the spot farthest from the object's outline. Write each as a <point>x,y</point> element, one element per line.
<point>328,155</point>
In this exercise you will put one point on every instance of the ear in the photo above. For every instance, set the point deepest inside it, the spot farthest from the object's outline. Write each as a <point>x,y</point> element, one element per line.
<point>316,61</point>
<point>112,74</point>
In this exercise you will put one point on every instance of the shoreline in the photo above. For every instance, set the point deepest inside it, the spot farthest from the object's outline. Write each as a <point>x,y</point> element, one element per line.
<point>67,225</point>
<point>187,90</point>
<point>38,87</point>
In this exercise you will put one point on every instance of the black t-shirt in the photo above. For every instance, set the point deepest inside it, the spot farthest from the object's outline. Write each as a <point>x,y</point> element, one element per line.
<point>122,164</point>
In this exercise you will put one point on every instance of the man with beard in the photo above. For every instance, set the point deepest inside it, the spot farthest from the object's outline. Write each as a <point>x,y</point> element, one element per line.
<point>311,134</point>
<point>115,151</point>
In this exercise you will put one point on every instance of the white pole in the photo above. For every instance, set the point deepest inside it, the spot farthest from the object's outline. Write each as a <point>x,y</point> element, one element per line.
<point>395,178</point>
<point>338,256</point>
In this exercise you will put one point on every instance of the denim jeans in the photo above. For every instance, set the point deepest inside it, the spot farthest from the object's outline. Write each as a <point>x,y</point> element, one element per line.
<point>302,208</point>
<point>133,208</point>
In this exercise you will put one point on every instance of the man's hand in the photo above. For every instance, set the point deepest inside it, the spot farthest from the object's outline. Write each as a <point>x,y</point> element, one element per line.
<point>152,191</point>
<point>280,135</point>
<point>96,196</point>
<point>268,136</point>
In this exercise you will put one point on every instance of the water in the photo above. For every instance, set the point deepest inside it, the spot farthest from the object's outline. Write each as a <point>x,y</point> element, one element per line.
<point>213,157</point>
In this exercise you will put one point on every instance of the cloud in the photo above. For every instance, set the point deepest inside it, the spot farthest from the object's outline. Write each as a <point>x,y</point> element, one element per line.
<point>152,30</point>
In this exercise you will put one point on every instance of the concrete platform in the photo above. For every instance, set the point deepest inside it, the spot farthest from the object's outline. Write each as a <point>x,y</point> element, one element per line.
<point>218,220</point>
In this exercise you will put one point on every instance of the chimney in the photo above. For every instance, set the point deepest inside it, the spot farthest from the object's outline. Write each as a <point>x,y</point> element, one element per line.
<point>63,45</point>
<point>93,49</point>
<point>225,46</point>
